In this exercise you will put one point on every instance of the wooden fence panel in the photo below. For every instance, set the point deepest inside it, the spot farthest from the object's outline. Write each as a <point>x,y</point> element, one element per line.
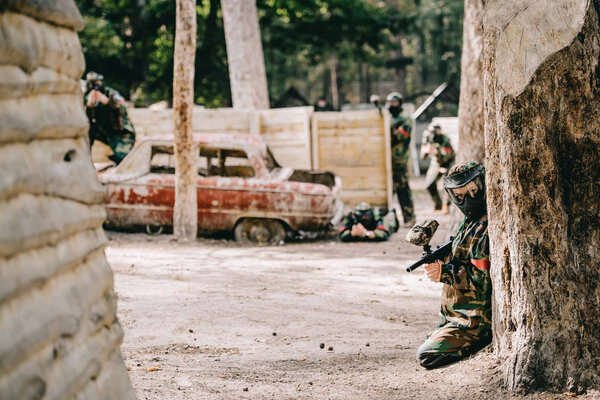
<point>356,146</point>
<point>287,132</point>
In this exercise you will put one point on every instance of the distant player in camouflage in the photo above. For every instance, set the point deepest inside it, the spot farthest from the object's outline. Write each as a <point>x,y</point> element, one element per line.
<point>366,224</point>
<point>400,134</point>
<point>437,146</point>
<point>109,122</point>
<point>466,311</point>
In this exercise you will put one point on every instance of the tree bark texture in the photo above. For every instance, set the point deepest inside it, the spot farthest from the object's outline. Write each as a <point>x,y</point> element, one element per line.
<point>185,214</point>
<point>335,94</point>
<point>543,173</point>
<point>471,143</point>
<point>247,75</point>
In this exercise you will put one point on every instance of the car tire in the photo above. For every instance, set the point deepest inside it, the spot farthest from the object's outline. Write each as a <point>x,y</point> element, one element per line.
<point>259,230</point>
<point>154,230</point>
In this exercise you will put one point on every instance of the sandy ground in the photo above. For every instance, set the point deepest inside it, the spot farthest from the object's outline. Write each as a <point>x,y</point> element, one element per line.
<point>308,320</point>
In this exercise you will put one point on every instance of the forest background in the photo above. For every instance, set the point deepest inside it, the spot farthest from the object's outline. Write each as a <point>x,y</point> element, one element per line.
<point>371,46</point>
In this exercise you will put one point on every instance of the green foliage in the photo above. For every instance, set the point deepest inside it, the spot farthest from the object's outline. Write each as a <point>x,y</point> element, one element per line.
<point>131,43</point>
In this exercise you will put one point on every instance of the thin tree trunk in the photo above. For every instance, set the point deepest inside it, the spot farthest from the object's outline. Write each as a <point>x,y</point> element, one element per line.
<point>543,165</point>
<point>247,74</point>
<point>471,143</point>
<point>335,96</point>
<point>185,214</point>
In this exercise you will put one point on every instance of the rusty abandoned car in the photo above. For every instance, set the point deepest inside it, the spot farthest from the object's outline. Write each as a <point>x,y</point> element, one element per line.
<point>241,189</point>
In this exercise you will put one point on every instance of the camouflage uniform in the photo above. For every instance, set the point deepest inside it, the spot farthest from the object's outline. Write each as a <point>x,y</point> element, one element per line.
<point>381,227</point>
<point>110,124</point>
<point>466,311</point>
<point>400,157</point>
<point>439,166</point>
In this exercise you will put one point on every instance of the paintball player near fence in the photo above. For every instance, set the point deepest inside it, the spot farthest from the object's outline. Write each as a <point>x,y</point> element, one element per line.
<point>366,224</point>
<point>438,147</point>
<point>109,122</point>
<point>400,135</point>
<point>466,308</point>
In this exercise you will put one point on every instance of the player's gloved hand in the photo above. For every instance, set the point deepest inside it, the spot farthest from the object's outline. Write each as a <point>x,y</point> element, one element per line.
<point>434,270</point>
<point>358,230</point>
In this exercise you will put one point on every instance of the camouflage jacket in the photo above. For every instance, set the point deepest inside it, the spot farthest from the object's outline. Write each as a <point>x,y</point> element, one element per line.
<point>374,224</point>
<point>444,153</point>
<point>111,118</point>
<point>467,293</point>
<point>400,132</point>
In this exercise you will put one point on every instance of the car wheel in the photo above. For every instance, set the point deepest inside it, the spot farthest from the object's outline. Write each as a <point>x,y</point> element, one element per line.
<point>153,229</point>
<point>258,230</point>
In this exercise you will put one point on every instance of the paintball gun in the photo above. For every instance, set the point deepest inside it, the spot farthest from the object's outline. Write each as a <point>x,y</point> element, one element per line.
<point>376,101</point>
<point>420,235</point>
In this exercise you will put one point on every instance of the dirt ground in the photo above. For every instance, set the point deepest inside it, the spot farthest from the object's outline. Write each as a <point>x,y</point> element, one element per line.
<point>306,320</point>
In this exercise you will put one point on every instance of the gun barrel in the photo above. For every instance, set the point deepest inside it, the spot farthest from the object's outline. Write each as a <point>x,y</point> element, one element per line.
<point>440,253</point>
<point>416,265</point>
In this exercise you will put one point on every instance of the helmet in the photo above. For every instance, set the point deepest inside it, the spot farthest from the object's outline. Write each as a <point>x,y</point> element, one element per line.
<point>394,96</point>
<point>465,184</point>
<point>364,206</point>
<point>92,78</point>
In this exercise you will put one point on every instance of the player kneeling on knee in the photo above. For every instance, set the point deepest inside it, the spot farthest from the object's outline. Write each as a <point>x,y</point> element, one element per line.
<point>466,296</point>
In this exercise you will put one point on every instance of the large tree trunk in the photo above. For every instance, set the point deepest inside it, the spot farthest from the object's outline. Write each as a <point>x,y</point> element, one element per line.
<point>543,159</point>
<point>247,74</point>
<point>185,214</point>
<point>471,143</point>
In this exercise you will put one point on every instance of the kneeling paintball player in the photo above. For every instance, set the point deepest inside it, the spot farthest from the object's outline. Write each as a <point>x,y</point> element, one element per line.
<point>466,309</point>
<point>366,224</point>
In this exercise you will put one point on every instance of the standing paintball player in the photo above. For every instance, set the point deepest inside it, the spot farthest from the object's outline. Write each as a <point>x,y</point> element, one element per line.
<point>466,309</point>
<point>438,147</point>
<point>109,122</point>
<point>400,134</point>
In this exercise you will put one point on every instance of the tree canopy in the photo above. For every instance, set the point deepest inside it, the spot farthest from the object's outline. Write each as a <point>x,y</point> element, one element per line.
<point>415,41</point>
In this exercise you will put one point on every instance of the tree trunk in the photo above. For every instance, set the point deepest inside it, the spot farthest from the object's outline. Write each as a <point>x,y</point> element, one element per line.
<point>543,165</point>
<point>335,95</point>
<point>471,143</point>
<point>471,140</point>
<point>185,214</point>
<point>247,74</point>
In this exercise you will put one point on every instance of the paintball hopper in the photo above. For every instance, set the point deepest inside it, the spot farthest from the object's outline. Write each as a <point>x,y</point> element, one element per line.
<point>421,233</point>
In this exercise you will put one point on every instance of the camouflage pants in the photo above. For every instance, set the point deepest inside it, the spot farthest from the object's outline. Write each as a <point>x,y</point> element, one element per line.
<point>403,192</point>
<point>120,144</point>
<point>431,181</point>
<point>449,344</point>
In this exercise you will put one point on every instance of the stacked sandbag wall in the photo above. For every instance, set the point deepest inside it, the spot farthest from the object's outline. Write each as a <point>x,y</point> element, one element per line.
<point>59,336</point>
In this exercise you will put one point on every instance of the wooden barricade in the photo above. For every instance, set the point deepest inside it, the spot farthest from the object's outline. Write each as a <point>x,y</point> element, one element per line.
<point>356,146</point>
<point>287,132</point>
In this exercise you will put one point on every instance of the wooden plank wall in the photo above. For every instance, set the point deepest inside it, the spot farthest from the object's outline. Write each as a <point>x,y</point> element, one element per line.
<point>287,132</point>
<point>149,122</point>
<point>356,146</point>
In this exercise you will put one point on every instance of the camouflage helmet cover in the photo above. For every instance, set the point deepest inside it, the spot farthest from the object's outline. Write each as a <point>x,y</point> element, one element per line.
<point>94,76</point>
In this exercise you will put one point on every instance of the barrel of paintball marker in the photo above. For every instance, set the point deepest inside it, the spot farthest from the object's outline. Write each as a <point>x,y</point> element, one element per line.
<point>439,253</point>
